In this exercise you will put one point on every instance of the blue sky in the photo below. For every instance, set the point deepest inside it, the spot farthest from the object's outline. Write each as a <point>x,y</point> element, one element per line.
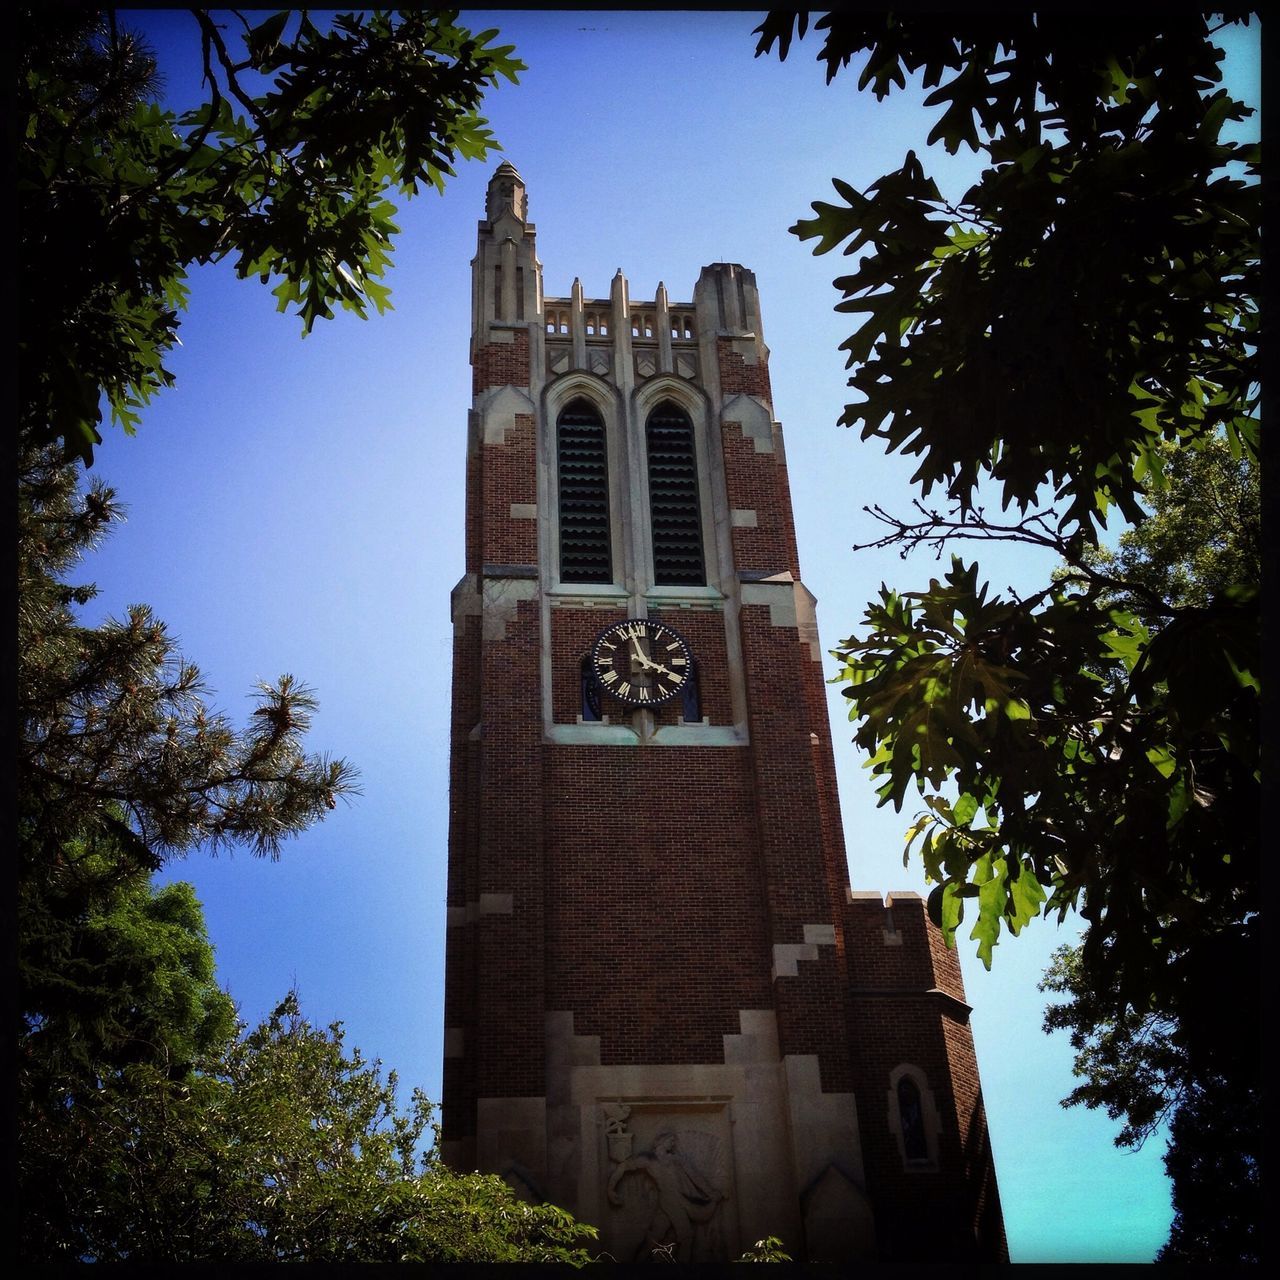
<point>296,506</point>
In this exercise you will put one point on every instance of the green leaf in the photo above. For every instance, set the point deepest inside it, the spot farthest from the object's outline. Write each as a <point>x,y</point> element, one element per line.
<point>965,809</point>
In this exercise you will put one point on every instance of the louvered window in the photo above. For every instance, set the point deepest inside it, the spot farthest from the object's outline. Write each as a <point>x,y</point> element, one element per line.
<point>584,496</point>
<point>675,516</point>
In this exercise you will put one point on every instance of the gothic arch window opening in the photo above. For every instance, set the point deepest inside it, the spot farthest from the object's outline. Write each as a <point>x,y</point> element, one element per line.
<point>583,476</point>
<point>915,1145</point>
<point>675,512</point>
<point>590,692</point>
<point>913,1118</point>
<point>691,698</point>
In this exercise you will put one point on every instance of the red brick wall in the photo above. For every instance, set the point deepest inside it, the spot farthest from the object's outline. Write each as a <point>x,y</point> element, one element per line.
<point>897,1015</point>
<point>739,377</point>
<point>795,849</point>
<point>509,475</point>
<point>656,932</point>
<point>501,364</point>
<point>704,630</point>
<point>496,842</point>
<point>572,632</point>
<point>758,482</point>
<point>457,1112</point>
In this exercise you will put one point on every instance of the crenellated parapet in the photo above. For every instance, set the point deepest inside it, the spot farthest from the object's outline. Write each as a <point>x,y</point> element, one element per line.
<point>713,340</point>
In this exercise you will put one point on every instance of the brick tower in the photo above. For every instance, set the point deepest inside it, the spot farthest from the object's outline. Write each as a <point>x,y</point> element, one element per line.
<point>665,1009</point>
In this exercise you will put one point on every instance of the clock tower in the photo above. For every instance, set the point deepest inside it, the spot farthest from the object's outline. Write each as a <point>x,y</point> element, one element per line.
<point>666,1011</point>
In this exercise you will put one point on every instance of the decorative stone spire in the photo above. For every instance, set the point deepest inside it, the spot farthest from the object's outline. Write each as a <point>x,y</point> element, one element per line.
<point>662,305</point>
<point>506,275</point>
<point>506,194</point>
<point>577,324</point>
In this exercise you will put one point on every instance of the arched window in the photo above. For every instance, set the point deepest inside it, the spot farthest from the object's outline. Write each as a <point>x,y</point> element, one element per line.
<point>915,1142</point>
<point>583,471</point>
<point>691,698</point>
<point>589,690</point>
<point>675,515</point>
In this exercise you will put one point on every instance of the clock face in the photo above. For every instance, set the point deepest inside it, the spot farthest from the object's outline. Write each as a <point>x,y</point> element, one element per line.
<point>641,663</point>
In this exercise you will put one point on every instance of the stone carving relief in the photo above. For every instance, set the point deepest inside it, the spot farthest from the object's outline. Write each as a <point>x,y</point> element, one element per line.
<point>666,1198</point>
<point>599,361</point>
<point>687,364</point>
<point>557,359</point>
<point>646,364</point>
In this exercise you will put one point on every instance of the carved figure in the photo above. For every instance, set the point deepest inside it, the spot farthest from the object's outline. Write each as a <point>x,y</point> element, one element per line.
<point>616,1115</point>
<point>686,1197</point>
<point>619,1140</point>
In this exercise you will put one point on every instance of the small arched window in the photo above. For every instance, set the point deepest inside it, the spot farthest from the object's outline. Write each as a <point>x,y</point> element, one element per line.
<point>590,691</point>
<point>675,514</point>
<point>691,698</point>
<point>915,1141</point>
<point>583,471</point>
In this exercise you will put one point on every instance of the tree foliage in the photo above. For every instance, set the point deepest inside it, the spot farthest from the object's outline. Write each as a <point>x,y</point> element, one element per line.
<point>115,730</point>
<point>1074,339</point>
<point>1085,312</point>
<point>277,1144</point>
<point>331,1171</point>
<point>148,1129</point>
<point>114,972</point>
<point>285,169</point>
<point>116,985</point>
<point>1164,1063</point>
<point>1151,1070</point>
<point>1214,1163</point>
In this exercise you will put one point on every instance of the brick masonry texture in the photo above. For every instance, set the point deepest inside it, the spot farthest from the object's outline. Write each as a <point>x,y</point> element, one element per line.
<point>897,1016</point>
<point>509,475</point>
<point>758,481</point>
<point>657,933</point>
<point>739,377</point>
<point>501,364</point>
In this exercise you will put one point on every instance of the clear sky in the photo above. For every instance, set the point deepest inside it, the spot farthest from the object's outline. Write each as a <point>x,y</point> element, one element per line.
<point>296,506</point>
